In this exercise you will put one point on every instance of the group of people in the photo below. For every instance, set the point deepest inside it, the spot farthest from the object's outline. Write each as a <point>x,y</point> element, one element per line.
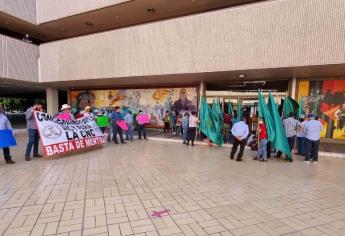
<point>303,133</point>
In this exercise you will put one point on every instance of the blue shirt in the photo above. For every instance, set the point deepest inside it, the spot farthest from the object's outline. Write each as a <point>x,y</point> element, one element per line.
<point>185,121</point>
<point>115,116</point>
<point>128,118</point>
<point>312,129</point>
<point>240,129</point>
<point>4,122</point>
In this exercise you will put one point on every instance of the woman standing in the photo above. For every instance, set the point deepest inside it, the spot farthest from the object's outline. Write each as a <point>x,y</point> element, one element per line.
<point>193,124</point>
<point>167,120</point>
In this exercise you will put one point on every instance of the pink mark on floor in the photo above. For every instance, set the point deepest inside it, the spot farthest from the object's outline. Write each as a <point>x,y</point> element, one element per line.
<point>160,213</point>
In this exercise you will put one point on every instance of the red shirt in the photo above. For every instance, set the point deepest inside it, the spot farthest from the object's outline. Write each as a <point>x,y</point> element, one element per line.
<point>227,119</point>
<point>263,131</point>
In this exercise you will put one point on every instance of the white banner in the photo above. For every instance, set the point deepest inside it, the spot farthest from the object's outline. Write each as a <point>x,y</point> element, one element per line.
<point>60,136</point>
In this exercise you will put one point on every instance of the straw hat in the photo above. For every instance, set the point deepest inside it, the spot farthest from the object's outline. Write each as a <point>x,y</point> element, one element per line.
<point>64,107</point>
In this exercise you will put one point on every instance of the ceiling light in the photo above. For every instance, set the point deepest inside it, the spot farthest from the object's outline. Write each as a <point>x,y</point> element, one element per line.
<point>151,10</point>
<point>89,24</point>
<point>193,1</point>
<point>62,29</point>
<point>117,17</point>
<point>241,76</point>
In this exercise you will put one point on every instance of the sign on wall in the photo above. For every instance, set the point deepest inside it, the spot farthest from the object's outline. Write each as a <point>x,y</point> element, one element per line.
<point>60,137</point>
<point>152,101</point>
<point>326,99</point>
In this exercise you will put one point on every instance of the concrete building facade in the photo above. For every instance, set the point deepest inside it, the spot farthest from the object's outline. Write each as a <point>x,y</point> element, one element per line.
<point>216,44</point>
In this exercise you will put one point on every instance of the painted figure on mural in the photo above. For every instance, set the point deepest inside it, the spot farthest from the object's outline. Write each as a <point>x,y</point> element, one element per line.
<point>183,103</point>
<point>340,115</point>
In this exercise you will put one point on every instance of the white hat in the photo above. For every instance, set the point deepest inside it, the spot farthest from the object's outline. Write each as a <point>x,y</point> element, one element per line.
<point>64,107</point>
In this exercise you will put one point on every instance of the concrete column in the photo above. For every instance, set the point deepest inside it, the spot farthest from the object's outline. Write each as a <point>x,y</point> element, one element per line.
<point>202,91</point>
<point>293,88</point>
<point>52,100</point>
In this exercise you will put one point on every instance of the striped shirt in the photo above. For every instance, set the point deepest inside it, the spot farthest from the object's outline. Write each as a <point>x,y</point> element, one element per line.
<point>291,125</point>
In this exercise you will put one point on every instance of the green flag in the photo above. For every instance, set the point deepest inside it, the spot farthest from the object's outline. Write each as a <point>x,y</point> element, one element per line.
<point>207,123</point>
<point>230,110</point>
<point>265,114</point>
<point>300,108</point>
<point>289,106</point>
<point>239,110</point>
<point>280,141</point>
<point>218,115</point>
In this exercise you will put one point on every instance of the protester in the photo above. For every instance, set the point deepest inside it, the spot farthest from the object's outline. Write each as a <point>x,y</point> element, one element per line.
<point>129,121</point>
<point>167,120</point>
<point>32,131</point>
<point>226,127</point>
<point>312,129</point>
<point>141,125</point>
<point>263,141</point>
<point>240,131</point>
<point>65,113</point>
<point>5,125</point>
<point>192,125</point>
<point>103,123</point>
<point>301,136</point>
<point>87,112</point>
<point>179,124</point>
<point>291,126</point>
<point>173,121</point>
<point>115,117</point>
<point>185,121</point>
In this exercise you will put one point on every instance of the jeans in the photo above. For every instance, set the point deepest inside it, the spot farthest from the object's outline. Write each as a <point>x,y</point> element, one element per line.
<point>141,130</point>
<point>33,141</point>
<point>242,144</point>
<point>129,132</point>
<point>117,130</point>
<point>7,155</point>
<point>191,134</point>
<point>301,145</point>
<point>312,150</point>
<point>185,133</point>
<point>262,150</point>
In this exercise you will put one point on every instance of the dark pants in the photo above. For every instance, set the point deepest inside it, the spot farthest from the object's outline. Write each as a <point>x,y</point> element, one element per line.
<point>191,134</point>
<point>33,141</point>
<point>141,131</point>
<point>242,144</point>
<point>291,141</point>
<point>166,127</point>
<point>117,130</point>
<point>7,154</point>
<point>312,150</point>
<point>301,145</point>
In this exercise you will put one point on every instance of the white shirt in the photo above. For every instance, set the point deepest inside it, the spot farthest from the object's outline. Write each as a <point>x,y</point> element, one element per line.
<point>193,121</point>
<point>240,129</point>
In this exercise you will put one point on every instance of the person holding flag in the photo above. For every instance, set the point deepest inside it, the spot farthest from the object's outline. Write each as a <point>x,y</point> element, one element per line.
<point>240,130</point>
<point>263,141</point>
<point>6,136</point>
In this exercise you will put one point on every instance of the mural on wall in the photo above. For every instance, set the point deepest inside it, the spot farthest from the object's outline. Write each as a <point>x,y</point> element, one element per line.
<point>152,101</point>
<point>326,99</point>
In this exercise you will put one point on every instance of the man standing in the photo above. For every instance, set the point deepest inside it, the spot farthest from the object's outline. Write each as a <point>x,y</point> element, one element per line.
<point>301,136</point>
<point>115,117</point>
<point>291,126</point>
<point>5,125</point>
<point>129,120</point>
<point>240,131</point>
<point>312,129</point>
<point>141,124</point>
<point>192,125</point>
<point>262,150</point>
<point>185,121</point>
<point>32,131</point>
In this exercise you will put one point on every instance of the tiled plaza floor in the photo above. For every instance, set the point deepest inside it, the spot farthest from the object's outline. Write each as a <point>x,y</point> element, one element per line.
<point>116,189</point>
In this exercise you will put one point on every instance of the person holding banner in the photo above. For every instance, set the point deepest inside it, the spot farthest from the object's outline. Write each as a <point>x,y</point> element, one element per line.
<point>142,120</point>
<point>65,113</point>
<point>129,120</point>
<point>6,136</point>
<point>115,118</point>
<point>32,131</point>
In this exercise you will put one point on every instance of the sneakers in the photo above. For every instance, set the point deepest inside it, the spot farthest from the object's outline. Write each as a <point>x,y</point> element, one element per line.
<point>306,161</point>
<point>263,160</point>
<point>9,162</point>
<point>315,162</point>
